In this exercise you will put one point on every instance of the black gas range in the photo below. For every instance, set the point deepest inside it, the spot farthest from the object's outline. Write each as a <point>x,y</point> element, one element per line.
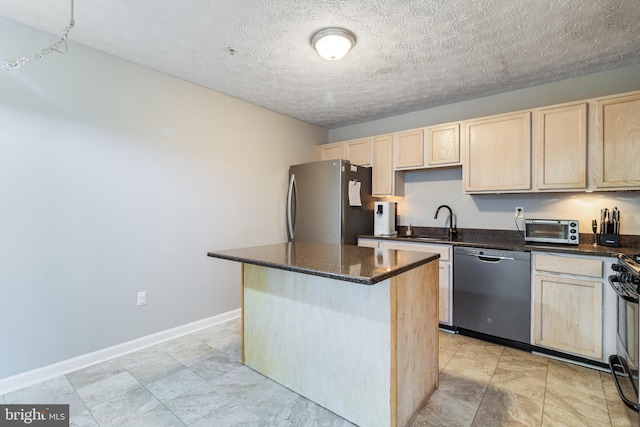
<point>624,365</point>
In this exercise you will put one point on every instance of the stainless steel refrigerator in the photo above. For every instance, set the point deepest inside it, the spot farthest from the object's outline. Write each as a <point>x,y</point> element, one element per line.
<point>319,207</point>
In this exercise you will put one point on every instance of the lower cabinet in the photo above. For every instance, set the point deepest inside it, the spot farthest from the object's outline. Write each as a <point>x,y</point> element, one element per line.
<point>445,296</point>
<point>445,268</point>
<point>568,304</point>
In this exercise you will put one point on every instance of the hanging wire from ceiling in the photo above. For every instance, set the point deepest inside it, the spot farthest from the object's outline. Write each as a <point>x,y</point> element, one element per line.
<point>60,46</point>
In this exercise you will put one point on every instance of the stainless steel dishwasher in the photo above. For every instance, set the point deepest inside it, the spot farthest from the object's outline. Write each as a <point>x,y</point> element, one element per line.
<point>492,292</point>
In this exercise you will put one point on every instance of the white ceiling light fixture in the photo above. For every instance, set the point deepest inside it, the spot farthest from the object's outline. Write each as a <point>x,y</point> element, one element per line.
<point>333,43</point>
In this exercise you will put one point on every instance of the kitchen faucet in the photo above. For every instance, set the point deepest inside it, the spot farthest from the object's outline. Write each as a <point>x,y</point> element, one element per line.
<point>452,229</point>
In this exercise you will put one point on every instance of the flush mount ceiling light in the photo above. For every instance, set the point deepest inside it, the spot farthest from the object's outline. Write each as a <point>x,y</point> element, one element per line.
<point>333,43</point>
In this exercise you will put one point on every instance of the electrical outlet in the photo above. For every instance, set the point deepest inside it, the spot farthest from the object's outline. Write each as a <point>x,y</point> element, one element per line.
<point>142,298</point>
<point>519,211</point>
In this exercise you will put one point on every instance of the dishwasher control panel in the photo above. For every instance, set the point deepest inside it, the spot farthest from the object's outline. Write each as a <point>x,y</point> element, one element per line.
<point>495,254</point>
<point>488,253</point>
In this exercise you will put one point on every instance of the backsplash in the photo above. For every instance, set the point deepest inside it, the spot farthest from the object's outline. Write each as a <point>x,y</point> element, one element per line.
<point>502,236</point>
<point>426,190</point>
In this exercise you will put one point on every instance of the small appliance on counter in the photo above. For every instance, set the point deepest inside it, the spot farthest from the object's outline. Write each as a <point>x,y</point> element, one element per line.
<point>384,219</point>
<point>609,228</point>
<point>564,231</point>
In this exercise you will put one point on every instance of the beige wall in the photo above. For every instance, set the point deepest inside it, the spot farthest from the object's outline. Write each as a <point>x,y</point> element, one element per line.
<point>116,179</point>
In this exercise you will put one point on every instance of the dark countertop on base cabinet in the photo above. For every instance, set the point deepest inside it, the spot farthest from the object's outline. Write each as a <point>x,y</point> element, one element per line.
<point>341,262</point>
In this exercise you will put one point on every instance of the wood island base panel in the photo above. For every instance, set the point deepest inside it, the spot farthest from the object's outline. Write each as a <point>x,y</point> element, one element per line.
<point>366,353</point>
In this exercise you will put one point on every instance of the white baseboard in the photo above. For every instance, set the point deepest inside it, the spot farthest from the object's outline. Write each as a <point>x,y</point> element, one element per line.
<point>38,375</point>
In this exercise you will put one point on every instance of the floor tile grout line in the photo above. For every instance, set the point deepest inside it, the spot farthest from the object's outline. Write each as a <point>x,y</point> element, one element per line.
<point>487,387</point>
<point>607,401</point>
<point>75,390</point>
<point>140,383</point>
<point>544,397</point>
<point>586,416</point>
<point>164,403</point>
<point>459,347</point>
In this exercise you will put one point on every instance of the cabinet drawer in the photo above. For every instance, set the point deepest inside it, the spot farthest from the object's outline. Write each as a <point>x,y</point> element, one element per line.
<point>569,265</point>
<point>443,250</point>
<point>368,243</point>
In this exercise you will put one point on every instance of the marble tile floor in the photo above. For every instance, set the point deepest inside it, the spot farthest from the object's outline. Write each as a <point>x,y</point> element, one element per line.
<point>198,380</point>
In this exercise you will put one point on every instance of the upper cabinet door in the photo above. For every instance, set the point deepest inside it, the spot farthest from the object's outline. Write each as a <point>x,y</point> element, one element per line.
<point>618,142</point>
<point>498,154</point>
<point>561,147</point>
<point>358,151</point>
<point>382,166</point>
<point>410,149</point>
<point>330,151</point>
<point>443,144</point>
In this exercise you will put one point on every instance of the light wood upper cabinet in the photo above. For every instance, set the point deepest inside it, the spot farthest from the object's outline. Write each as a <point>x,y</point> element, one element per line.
<point>330,151</point>
<point>376,152</point>
<point>384,178</point>
<point>498,153</point>
<point>409,149</point>
<point>443,145</point>
<point>358,151</point>
<point>560,144</point>
<point>592,144</point>
<point>618,142</point>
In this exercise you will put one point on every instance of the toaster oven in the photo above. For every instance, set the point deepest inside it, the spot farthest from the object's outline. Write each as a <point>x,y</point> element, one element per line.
<point>564,231</point>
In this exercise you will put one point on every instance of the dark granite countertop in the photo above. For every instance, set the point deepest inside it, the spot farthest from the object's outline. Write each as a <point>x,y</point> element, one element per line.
<point>342,262</point>
<point>508,240</point>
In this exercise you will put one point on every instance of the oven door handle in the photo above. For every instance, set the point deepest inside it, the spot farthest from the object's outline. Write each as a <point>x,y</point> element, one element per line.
<point>618,288</point>
<point>616,360</point>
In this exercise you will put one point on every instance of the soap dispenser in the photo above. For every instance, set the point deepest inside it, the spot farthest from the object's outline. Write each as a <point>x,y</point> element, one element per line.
<point>409,231</point>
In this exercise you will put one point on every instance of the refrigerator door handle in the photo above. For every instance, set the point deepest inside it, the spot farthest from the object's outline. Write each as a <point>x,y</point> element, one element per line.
<point>291,196</point>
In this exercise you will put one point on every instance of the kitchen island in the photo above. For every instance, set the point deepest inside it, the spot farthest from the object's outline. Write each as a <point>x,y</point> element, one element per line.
<point>350,328</point>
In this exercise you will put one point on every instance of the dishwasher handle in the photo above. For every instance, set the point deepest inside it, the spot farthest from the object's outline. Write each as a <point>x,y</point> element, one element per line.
<point>493,259</point>
<point>490,259</point>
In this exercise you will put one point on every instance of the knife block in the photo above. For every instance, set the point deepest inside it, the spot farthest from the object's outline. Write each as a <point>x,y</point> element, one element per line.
<point>611,240</point>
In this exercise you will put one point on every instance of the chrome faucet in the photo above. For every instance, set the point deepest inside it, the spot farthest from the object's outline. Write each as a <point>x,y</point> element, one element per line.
<point>452,229</point>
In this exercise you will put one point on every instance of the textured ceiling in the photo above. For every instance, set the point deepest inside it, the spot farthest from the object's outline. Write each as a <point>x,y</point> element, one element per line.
<point>410,54</point>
